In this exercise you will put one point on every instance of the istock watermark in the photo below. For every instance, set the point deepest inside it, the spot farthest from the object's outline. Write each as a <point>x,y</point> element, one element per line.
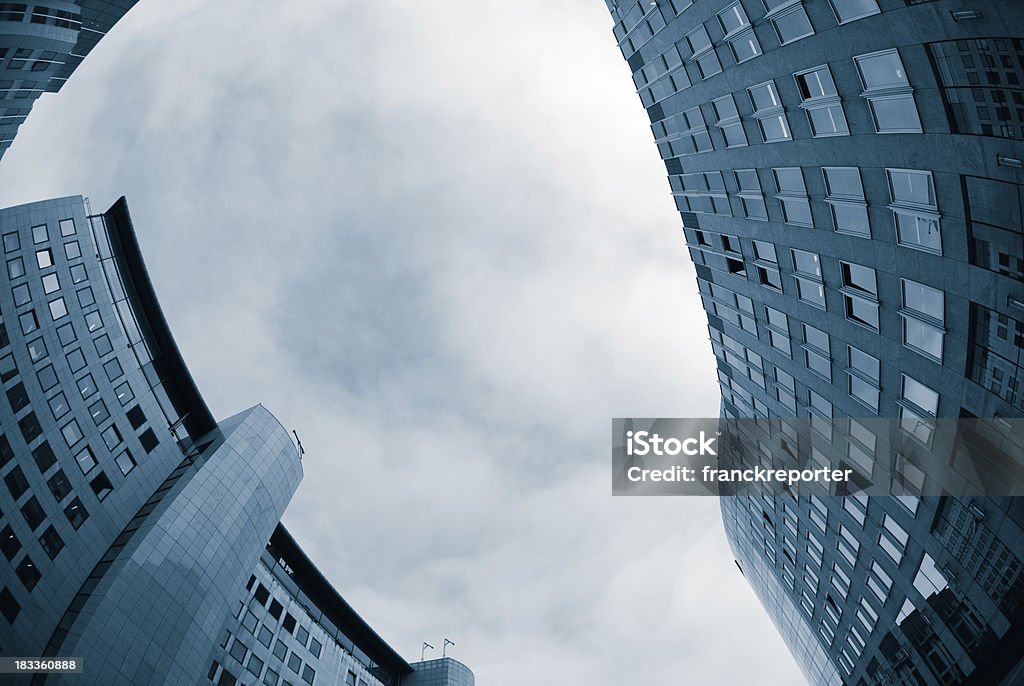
<point>873,456</point>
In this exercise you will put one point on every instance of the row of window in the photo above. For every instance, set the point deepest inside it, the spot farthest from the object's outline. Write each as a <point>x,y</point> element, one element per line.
<point>912,200</point>
<point>884,85</point>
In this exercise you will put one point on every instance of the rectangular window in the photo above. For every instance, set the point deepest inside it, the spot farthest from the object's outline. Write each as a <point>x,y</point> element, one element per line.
<point>750,195</point>
<point>789,19</point>
<point>792,193</point>
<point>703,52</point>
<point>851,10</point>
<point>845,196</point>
<point>864,373</point>
<point>888,92</point>
<point>820,100</point>
<point>729,121</point>
<point>769,112</point>
<point>739,33</point>
<point>923,318</point>
<point>915,210</point>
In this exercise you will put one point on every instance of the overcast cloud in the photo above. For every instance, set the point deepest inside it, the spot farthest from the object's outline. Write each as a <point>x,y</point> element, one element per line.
<point>437,240</point>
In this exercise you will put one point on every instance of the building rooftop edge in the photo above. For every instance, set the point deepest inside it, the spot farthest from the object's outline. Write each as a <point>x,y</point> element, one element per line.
<point>315,585</point>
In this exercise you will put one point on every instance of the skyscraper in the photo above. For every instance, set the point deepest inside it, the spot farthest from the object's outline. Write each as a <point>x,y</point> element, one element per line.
<point>849,178</point>
<point>41,45</point>
<point>131,518</point>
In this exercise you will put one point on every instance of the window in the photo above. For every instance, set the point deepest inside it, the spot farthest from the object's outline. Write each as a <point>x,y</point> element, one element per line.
<point>929,579</point>
<point>22,296</point>
<point>919,405</point>
<point>37,350</point>
<point>39,234</point>
<point>739,33</point>
<point>148,440</point>
<point>315,647</point>
<point>807,272</point>
<point>888,92</point>
<point>67,227</point>
<point>28,573</point>
<point>86,460</point>
<point>250,622</point>
<point>850,10</point>
<point>275,609</point>
<point>33,513</point>
<point>66,334</point>
<point>59,485</point>
<point>86,297</point>
<point>76,513</point>
<point>125,462</point>
<point>111,436</point>
<point>44,457</point>
<point>820,100</point>
<point>750,194</point>
<point>9,543</point>
<point>124,394</point>
<point>101,486</point>
<point>11,242</point>
<point>72,432</point>
<point>860,292</point>
<point>238,651</point>
<point>864,372</point>
<point>294,662</point>
<point>44,258</point>
<point>923,317</point>
<point>302,636</point>
<point>113,369</point>
<point>16,482</point>
<point>58,309</point>
<point>29,322</point>
<point>845,196</point>
<point>768,110</point>
<point>78,273</point>
<point>796,208</point>
<point>255,665</point>
<point>51,283</point>
<point>914,208</point>
<point>308,674</point>
<point>701,193</point>
<point>51,542</point>
<point>16,268</point>
<point>789,19</point>
<point>136,418</point>
<point>994,211</point>
<point>893,540</point>
<point>266,636</point>
<point>86,385</point>
<point>729,121</point>
<point>30,429</point>
<point>280,650</point>
<point>703,52</point>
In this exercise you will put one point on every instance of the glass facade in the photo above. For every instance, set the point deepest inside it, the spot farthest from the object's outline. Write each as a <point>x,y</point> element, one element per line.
<point>861,260</point>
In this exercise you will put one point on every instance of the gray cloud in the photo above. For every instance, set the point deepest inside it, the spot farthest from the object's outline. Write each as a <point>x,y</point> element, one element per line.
<point>436,239</point>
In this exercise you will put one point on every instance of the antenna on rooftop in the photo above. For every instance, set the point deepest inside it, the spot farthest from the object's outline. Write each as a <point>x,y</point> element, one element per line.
<point>444,648</point>
<point>424,649</point>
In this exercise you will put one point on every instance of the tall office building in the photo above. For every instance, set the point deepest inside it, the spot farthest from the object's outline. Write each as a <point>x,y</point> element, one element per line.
<point>131,519</point>
<point>849,177</point>
<point>41,45</point>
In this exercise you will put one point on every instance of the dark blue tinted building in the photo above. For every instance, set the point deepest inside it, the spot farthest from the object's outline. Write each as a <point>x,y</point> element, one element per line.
<point>849,177</point>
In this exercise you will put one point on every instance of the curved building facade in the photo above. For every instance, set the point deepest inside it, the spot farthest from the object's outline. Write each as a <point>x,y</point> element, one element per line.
<point>41,44</point>
<point>131,519</point>
<point>849,178</point>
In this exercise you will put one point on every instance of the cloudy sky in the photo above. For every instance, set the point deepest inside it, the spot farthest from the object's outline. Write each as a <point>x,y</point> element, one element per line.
<point>437,241</point>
